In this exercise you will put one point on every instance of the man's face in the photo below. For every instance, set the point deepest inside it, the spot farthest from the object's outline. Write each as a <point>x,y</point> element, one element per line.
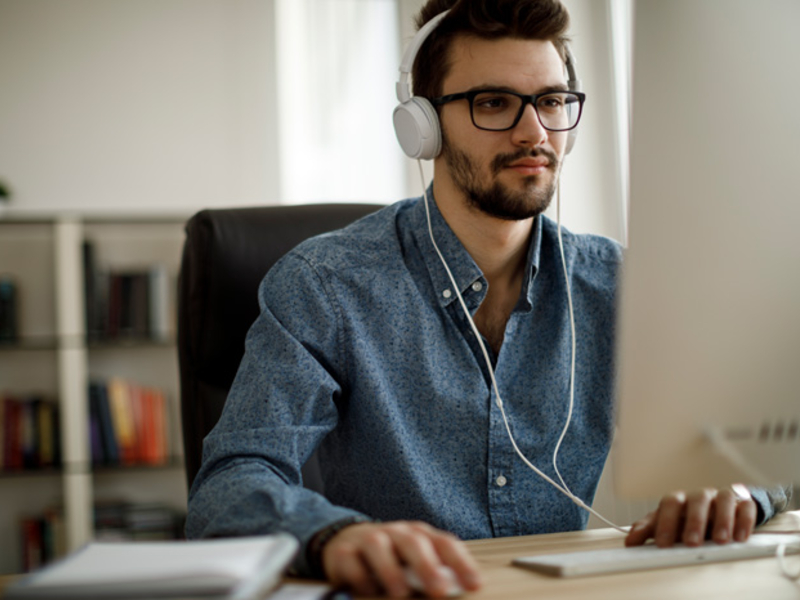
<point>507,174</point>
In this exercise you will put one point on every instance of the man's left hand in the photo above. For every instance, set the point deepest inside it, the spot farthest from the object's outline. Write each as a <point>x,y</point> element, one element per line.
<point>719,515</point>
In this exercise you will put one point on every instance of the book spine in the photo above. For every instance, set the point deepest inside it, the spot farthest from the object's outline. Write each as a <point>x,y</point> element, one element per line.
<point>3,450</point>
<point>159,301</point>
<point>13,429</point>
<point>114,307</point>
<point>136,400</point>
<point>95,427</point>
<point>122,417</point>
<point>160,426</point>
<point>28,434</point>
<point>46,423</point>
<point>107,433</point>
<point>8,309</point>
<point>32,552</point>
<point>148,428</point>
<point>140,305</point>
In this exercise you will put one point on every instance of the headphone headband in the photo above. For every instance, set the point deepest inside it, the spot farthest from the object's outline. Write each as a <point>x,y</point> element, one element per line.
<point>402,88</point>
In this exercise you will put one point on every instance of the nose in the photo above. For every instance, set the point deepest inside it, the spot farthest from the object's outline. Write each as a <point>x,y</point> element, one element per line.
<point>529,131</point>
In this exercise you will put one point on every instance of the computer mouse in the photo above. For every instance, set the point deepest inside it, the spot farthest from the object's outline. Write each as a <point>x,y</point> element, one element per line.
<point>454,589</point>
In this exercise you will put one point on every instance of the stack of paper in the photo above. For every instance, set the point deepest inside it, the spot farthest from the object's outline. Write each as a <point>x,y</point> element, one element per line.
<point>233,569</point>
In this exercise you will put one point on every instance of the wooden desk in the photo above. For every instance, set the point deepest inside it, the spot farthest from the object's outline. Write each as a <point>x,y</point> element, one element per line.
<point>759,579</point>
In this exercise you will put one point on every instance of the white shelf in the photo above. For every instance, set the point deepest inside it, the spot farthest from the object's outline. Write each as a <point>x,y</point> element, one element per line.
<point>45,257</point>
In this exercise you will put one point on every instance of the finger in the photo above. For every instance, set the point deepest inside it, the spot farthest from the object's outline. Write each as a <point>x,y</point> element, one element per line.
<point>641,531</point>
<point>745,520</point>
<point>724,517</point>
<point>454,553</point>
<point>345,568</point>
<point>415,548</point>
<point>379,550</point>
<point>669,518</point>
<point>696,521</point>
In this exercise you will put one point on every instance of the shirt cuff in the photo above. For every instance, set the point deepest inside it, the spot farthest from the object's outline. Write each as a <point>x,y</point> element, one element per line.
<point>308,561</point>
<point>769,502</point>
<point>318,541</point>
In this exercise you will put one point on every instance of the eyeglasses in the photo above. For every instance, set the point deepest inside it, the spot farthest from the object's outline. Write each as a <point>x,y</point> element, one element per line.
<point>499,110</point>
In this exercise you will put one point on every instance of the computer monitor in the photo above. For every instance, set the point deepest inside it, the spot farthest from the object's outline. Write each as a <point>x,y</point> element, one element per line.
<point>708,381</point>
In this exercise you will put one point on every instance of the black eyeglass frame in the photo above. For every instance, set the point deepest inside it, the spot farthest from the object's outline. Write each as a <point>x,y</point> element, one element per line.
<point>526,99</point>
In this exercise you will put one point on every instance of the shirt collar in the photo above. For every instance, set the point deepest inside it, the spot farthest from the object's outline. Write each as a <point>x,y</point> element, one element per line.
<point>464,269</point>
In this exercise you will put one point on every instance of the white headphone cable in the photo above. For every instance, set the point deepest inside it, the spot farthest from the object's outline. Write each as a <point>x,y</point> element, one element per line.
<point>498,400</point>
<point>573,337</point>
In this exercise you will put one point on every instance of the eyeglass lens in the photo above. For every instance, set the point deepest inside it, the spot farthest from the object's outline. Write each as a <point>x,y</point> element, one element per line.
<point>497,110</point>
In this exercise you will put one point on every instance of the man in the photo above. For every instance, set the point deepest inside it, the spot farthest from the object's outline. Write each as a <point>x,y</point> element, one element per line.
<point>362,347</point>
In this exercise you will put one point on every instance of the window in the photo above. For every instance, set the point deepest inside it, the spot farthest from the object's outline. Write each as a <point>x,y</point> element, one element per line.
<point>336,69</point>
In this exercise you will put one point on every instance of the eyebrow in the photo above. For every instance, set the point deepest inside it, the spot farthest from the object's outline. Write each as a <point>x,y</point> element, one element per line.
<point>560,87</point>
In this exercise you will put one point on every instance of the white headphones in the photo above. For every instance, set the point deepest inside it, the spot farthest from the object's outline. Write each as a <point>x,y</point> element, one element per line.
<point>416,122</point>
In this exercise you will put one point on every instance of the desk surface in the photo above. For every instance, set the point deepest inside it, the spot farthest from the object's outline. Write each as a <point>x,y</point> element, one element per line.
<point>758,578</point>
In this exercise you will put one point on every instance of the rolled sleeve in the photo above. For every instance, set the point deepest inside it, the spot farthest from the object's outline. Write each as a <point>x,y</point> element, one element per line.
<point>770,501</point>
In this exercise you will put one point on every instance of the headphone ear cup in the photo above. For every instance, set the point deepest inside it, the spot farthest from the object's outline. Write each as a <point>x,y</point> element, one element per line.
<point>416,125</point>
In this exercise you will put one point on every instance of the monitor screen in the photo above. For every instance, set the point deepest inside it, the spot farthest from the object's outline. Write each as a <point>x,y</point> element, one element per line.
<point>709,332</point>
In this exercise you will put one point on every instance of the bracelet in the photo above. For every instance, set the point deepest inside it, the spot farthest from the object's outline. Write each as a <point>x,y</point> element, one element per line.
<point>322,537</point>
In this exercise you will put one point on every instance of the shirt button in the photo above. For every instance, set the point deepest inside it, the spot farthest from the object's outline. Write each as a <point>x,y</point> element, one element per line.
<point>501,481</point>
<point>447,293</point>
<point>477,286</point>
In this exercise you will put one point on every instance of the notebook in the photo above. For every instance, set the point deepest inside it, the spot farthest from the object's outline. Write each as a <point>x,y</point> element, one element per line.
<point>230,569</point>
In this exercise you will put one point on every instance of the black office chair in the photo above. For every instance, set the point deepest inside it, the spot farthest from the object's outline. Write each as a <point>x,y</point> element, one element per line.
<point>226,254</point>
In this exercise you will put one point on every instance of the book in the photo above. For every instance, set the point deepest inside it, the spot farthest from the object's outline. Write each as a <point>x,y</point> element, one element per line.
<point>90,290</point>
<point>32,548</point>
<point>136,400</point>
<point>107,434</point>
<point>8,309</point>
<point>96,428</point>
<point>233,569</point>
<point>159,303</point>
<point>28,434</point>
<point>160,426</point>
<point>122,418</point>
<point>12,435</point>
<point>2,432</point>
<point>46,425</point>
<point>150,451</point>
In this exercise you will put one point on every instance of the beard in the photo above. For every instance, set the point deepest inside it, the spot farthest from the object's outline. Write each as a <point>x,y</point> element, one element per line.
<point>497,200</point>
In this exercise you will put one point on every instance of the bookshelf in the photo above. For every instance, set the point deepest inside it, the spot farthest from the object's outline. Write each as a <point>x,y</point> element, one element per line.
<point>52,357</point>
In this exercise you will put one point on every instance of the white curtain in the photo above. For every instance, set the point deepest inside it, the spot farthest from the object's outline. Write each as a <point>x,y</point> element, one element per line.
<point>337,64</point>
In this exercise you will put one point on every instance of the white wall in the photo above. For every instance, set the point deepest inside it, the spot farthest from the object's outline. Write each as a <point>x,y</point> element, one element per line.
<point>137,105</point>
<point>171,106</point>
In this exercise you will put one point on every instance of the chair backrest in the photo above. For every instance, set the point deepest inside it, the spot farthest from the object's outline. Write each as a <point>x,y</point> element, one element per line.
<point>226,254</point>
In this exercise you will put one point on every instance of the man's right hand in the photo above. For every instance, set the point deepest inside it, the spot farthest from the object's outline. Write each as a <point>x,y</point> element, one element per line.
<point>370,559</point>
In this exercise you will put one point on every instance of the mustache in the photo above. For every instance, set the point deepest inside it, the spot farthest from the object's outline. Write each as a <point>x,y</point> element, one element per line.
<point>501,161</point>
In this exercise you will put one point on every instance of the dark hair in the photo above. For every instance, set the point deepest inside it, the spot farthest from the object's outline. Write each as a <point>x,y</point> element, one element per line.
<point>486,19</point>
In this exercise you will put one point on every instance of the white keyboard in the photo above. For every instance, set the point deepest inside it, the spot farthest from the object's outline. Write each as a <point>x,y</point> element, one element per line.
<point>615,560</point>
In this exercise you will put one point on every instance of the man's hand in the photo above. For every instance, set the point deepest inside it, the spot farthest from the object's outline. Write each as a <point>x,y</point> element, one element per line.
<point>720,515</point>
<point>370,558</point>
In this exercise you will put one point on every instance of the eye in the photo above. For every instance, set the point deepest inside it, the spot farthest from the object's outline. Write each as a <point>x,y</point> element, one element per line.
<point>552,102</point>
<point>492,102</point>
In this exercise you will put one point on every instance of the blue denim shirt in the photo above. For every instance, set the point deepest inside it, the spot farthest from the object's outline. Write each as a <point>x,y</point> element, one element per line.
<point>361,348</point>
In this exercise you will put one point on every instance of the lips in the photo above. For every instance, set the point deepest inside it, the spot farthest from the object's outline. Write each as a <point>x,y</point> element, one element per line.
<point>530,166</point>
